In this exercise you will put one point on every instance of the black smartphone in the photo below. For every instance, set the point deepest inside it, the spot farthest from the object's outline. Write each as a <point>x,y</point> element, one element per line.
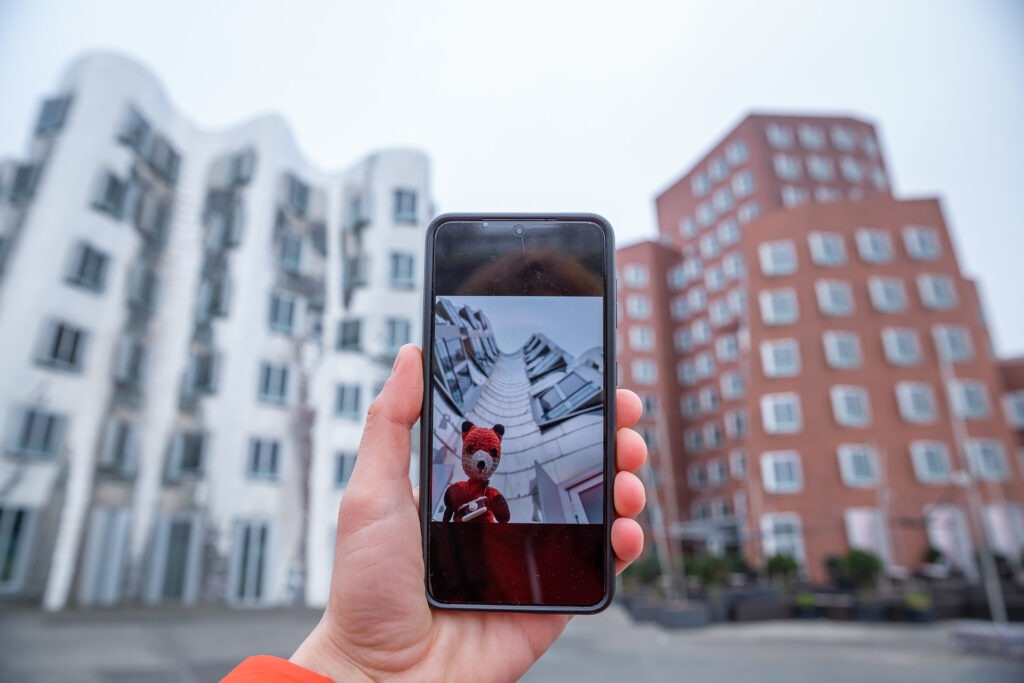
<point>517,444</point>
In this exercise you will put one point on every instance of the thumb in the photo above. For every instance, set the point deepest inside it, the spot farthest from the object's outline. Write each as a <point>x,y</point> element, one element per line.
<point>383,458</point>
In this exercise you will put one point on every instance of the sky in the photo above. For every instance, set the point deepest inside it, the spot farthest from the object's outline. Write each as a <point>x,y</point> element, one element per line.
<point>582,106</point>
<point>572,322</point>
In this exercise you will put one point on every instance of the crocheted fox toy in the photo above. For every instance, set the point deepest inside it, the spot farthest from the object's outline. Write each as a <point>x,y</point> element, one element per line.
<point>475,500</point>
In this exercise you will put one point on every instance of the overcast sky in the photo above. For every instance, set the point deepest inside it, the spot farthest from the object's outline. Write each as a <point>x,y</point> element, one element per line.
<point>583,106</point>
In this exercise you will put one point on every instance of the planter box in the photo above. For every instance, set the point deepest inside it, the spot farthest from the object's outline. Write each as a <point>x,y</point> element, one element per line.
<point>687,615</point>
<point>760,610</point>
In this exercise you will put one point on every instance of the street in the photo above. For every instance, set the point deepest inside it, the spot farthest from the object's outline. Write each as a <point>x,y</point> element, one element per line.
<point>191,645</point>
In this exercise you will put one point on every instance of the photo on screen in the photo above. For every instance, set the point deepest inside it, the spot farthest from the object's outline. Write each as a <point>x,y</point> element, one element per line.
<point>518,410</point>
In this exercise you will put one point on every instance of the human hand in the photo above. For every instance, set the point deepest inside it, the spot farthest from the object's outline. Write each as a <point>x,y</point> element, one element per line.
<point>377,623</point>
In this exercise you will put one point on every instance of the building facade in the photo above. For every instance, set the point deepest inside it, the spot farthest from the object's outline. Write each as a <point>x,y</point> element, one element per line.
<point>194,323</point>
<point>820,366</point>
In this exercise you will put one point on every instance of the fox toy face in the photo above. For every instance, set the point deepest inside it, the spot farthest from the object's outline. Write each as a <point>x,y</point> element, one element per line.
<point>481,450</point>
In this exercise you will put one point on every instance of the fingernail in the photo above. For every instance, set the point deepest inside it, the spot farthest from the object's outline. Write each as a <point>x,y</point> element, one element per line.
<point>398,358</point>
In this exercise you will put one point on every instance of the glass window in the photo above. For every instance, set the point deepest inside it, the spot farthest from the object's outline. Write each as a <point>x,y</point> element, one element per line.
<point>676,278</point>
<point>273,383</point>
<point>717,169</point>
<point>697,299</point>
<point>38,433</point>
<point>937,291</point>
<point>291,253</point>
<point>843,138</point>
<point>842,349</point>
<point>778,306</point>
<point>678,309</point>
<point>638,306</point>
<point>953,343</point>
<point>780,358</point>
<point>110,195</point>
<point>264,458</point>
<point>736,424</point>
<point>644,372</point>
<point>858,465</point>
<point>781,472</point>
<point>728,232</point>
<point>970,399</point>
<point>636,275</point>
<point>88,267</point>
<point>901,346</point>
<point>827,249</point>
<point>689,405</point>
<point>748,212</point>
<point>922,243</point>
<point>811,137</point>
<point>704,363</point>
<point>916,401</point>
<point>850,406</point>
<point>887,294</point>
<point>835,297</point>
<point>723,199</point>
<point>743,183</point>
<point>641,338</point>
<point>692,444</point>
<point>931,461</point>
<point>736,152</point>
<point>344,463</point>
<point>787,167</point>
<point>348,401</point>
<point>282,312</point>
<point>874,246</point>
<point>732,266</point>
<point>349,335</point>
<point>699,184</point>
<point>62,346</point>
<point>686,372</point>
<point>794,196</point>
<point>719,312</point>
<point>713,435</point>
<point>781,414</point>
<point>682,339</point>
<point>700,331</point>
<point>709,247</point>
<point>779,136</point>
<point>820,168</point>
<point>738,464</point>
<point>401,271</point>
<point>727,348</point>
<point>851,169</point>
<point>714,278</point>
<point>987,459</point>
<point>404,206</point>
<point>781,534</point>
<point>688,226</point>
<point>1013,405</point>
<point>710,402</point>
<point>777,258</point>
<point>399,332</point>
<point>705,213</point>
<point>187,454</point>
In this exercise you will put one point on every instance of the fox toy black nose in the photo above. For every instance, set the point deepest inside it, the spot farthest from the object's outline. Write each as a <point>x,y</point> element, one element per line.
<point>480,465</point>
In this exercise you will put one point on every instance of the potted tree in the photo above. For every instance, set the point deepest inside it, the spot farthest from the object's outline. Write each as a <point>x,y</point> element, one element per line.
<point>862,569</point>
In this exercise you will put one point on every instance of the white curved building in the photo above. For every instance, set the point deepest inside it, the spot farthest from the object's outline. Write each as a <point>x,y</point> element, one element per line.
<point>193,324</point>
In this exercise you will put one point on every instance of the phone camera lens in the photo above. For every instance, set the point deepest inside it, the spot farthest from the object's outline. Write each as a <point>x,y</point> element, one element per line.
<point>518,231</point>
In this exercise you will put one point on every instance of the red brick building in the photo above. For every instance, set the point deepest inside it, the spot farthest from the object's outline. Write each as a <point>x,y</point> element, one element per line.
<point>812,352</point>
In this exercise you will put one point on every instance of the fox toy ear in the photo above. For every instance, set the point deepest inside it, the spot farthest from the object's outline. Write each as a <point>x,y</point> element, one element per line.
<point>466,426</point>
<point>500,431</point>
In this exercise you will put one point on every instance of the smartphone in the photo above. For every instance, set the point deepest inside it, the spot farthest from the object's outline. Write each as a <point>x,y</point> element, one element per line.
<point>517,443</point>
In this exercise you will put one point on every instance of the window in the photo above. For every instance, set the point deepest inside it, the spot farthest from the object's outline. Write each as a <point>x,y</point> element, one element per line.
<point>704,363</point>
<point>874,246</point>
<point>51,116</point>
<point>709,401</point>
<point>779,136</point>
<point>405,206</point>
<point>134,130</point>
<point>705,213</point>
<point>688,226</point>
<point>780,358</point>
<point>720,508</point>
<point>777,258</point>
<point>843,138</point>
<point>723,200</point>
<point>781,535</point>
<point>811,137</point>
<point>638,306</point>
<point>887,294</point>
<point>901,346</point>
<point>736,152</point>
<point>636,275</point>
<point>987,459</point>
<point>820,168</point>
<point>793,196</point>
<point>676,278</point>
<point>700,330</point>
<point>130,365</point>
<point>953,343</point>
<point>36,433</point>
<point>62,346</point>
<point>727,348</point>
<point>344,463</point>
<point>738,464</point>
<point>649,403</point>
<point>714,278</point>
<point>851,169</point>
<point>399,332</point>
<point>717,472</point>
<point>850,406</point>
<point>858,465</point>
<point>737,299</point>
<point>824,195</point>
<point>17,527</point>
<point>202,373</point>
<point>401,272</point>
<point>713,435</point>
<point>264,458</point>
<point>916,401</point>
<point>937,291</point>
<point>732,266</point>
<point>282,312</point>
<point>689,405</point>
<point>119,453</point>
<point>250,557</point>
<point>736,424</point>
<point>143,289</point>
<point>349,335</point>
<point>870,146</point>
<point>347,401</point>
<point>748,212</point>
<point>682,340</point>
<point>733,386</point>
<point>692,442</point>
<point>699,184</point>
<point>878,178</point>
<point>641,338</point>
<point>88,267</point>
<point>787,167</point>
<point>163,158</point>
<point>931,461</point>
<point>781,472</point>
<point>187,454</point>
<point>1013,405</point>
<point>110,194</point>
<point>273,383</point>
<point>781,413</point>
<point>291,254</point>
<point>719,312</point>
<point>686,372</point>
<point>697,299</point>
<point>842,349</point>
<point>778,306</point>
<point>717,169</point>
<point>835,297</point>
<point>709,248</point>
<point>743,184</point>
<point>921,243</point>
<point>827,249</point>
<point>969,399</point>
<point>644,372</point>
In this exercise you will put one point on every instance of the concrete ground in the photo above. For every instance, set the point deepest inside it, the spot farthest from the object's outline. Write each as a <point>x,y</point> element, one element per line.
<point>186,646</point>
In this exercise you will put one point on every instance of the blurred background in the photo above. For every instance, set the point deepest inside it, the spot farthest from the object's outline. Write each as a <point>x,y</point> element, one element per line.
<point>211,224</point>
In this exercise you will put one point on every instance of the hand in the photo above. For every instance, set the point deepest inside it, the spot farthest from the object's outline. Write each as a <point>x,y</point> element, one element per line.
<point>377,623</point>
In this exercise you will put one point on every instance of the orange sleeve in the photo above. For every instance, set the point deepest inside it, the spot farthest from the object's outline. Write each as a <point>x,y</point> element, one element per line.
<point>267,669</point>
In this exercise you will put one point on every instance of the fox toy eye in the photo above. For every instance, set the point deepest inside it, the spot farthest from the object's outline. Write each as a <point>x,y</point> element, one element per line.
<point>494,452</point>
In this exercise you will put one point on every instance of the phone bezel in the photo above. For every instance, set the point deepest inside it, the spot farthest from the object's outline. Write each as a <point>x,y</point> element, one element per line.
<point>426,436</point>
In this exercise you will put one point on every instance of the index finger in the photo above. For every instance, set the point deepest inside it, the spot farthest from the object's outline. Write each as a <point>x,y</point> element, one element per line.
<point>628,408</point>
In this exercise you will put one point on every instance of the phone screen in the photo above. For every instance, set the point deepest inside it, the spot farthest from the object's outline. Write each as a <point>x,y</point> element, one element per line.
<point>519,416</point>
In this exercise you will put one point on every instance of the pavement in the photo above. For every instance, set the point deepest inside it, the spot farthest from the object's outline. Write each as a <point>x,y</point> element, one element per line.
<point>203,644</point>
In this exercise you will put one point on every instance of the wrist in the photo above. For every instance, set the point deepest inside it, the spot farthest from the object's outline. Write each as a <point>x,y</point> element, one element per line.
<point>320,654</point>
